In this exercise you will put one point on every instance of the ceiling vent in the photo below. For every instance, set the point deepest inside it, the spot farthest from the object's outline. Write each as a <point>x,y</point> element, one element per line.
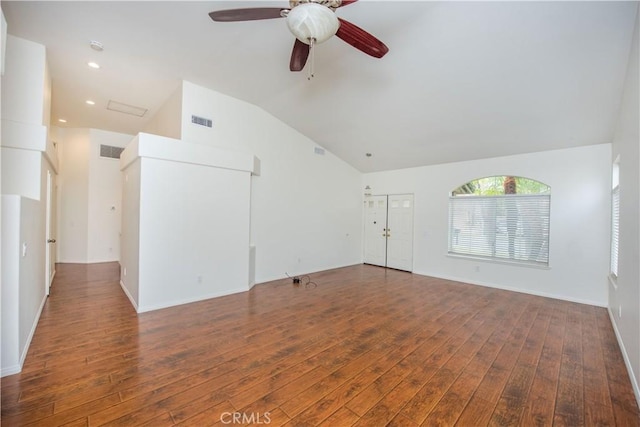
<point>110,152</point>
<point>126,109</point>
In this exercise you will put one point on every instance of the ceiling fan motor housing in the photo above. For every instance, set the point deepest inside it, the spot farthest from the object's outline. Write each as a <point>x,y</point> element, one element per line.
<point>312,21</point>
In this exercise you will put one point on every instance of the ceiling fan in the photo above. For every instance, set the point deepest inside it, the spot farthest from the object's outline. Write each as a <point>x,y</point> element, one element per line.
<point>312,22</point>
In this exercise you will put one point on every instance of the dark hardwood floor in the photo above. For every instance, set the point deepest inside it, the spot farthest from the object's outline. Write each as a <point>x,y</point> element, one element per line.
<point>366,346</point>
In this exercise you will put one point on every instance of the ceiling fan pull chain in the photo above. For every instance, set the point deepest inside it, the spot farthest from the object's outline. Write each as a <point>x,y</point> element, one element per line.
<point>311,51</point>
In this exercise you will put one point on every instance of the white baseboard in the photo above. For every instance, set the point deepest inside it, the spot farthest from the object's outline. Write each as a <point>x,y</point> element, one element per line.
<point>31,332</point>
<point>508,288</point>
<point>23,354</point>
<point>144,309</point>
<point>294,273</point>
<point>11,370</point>
<point>126,292</point>
<point>625,356</point>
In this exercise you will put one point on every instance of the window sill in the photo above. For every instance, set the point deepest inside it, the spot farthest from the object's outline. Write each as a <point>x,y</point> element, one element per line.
<point>499,261</point>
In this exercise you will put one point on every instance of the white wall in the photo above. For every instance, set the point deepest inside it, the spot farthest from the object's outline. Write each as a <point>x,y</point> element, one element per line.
<point>23,290</point>
<point>24,102</point>
<point>624,296</point>
<point>305,207</point>
<point>3,39</point>
<point>17,172</point>
<point>89,187</point>
<point>191,206</point>
<point>105,194</point>
<point>32,271</point>
<point>23,84</point>
<point>9,291</point>
<point>130,242</point>
<point>167,121</point>
<point>27,157</point>
<point>73,195</point>
<point>580,204</point>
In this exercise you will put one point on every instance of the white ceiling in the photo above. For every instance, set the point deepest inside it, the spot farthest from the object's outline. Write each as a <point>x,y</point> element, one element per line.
<point>462,80</point>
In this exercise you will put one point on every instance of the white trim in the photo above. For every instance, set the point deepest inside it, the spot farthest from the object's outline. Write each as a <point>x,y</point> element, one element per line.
<point>11,370</point>
<point>503,261</point>
<point>174,303</point>
<point>126,292</point>
<point>625,356</point>
<point>85,261</point>
<point>274,278</point>
<point>31,332</point>
<point>163,148</point>
<point>509,288</point>
<point>52,276</point>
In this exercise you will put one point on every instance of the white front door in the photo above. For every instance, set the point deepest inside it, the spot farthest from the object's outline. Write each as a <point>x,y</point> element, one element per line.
<point>375,230</point>
<point>400,232</point>
<point>388,231</point>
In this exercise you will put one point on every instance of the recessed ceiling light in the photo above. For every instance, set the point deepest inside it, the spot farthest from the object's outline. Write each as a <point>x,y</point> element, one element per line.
<point>93,65</point>
<point>62,120</point>
<point>95,45</point>
<point>90,102</point>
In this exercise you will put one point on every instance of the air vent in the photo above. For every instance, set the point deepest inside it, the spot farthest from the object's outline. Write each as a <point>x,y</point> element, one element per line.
<point>319,151</point>
<point>126,108</point>
<point>201,121</point>
<point>110,151</point>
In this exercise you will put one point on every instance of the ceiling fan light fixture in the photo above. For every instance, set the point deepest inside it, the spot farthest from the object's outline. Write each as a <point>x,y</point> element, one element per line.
<point>312,21</point>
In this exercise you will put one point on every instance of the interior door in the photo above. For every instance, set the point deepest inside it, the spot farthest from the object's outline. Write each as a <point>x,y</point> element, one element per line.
<point>400,232</point>
<point>49,248</point>
<point>388,231</point>
<point>375,230</point>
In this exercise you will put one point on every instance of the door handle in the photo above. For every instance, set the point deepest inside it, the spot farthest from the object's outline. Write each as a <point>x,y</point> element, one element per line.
<point>51,240</point>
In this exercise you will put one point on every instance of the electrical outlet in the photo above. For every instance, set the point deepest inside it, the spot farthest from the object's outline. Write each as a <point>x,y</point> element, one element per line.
<point>199,279</point>
<point>124,271</point>
<point>620,311</point>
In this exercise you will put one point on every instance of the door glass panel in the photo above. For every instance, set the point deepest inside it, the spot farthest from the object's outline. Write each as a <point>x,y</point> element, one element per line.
<point>406,204</point>
<point>395,204</point>
<point>370,203</point>
<point>380,203</point>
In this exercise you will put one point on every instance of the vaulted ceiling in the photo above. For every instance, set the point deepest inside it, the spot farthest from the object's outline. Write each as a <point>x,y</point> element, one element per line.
<point>462,80</point>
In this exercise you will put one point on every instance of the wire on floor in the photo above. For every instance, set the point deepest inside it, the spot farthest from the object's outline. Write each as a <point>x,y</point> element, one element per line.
<point>297,281</point>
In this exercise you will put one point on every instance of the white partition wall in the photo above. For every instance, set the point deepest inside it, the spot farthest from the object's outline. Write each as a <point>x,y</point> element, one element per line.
<point>185,225</point>
<point>29,163</point>
<point>624,290</point>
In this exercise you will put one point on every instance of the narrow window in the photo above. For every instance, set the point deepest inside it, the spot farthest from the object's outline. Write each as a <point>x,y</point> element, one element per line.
<point>501,218</point>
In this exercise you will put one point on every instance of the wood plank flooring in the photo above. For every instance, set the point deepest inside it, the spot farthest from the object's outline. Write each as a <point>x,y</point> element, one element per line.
<point>365,347</point>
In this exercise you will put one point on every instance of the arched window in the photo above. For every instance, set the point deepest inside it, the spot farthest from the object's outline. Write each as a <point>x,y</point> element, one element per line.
<point>502,218</point>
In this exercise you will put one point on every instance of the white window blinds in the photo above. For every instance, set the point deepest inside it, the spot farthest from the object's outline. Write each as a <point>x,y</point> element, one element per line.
<point>506,227</point>
<point>615,229</point>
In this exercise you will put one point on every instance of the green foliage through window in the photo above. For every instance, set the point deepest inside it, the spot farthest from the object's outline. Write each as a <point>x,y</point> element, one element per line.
<point>495,186</point>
